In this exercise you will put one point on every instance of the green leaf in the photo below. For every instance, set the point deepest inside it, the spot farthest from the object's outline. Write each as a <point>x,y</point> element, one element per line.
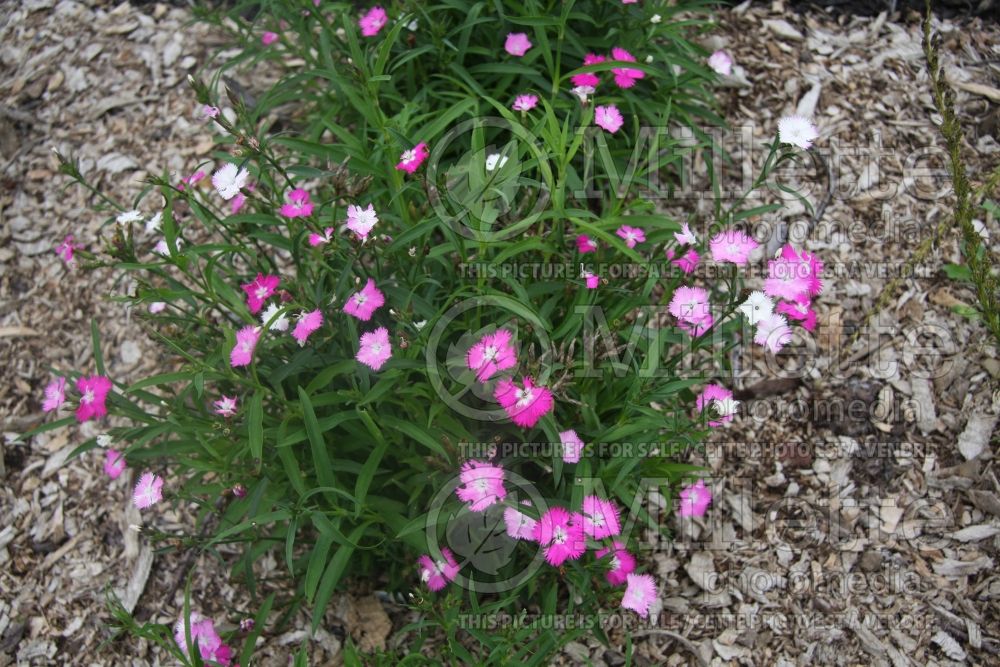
<point>255,427</point>
<point>334,571</point>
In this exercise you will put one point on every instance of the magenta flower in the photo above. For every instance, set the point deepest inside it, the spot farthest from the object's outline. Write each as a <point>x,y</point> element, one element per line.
<point>733,246</point>
<point>685,236</point>
<point>260,290</point>
<point>319,239</point>
<point>609,118</point>
<point>721,62</point>
<point>517,44</point>
<point>809,268</point>
<point>114,464</point>
<point>632,235</point>
<point>373,21</point>
<point>561,534</point>
<point>690,305</point>
<point>55,395</point>
<point>225,406</point>
<point>411,160</point>
<point>66,248</point>
<point>589,79</point>
<point>246,343</point>
<point>492,354</point>
<point>640,593</point>
<point>362,304</point>
<point>625,77</point>
<point>229,180</point>
<point>148,491</point>
<point>375,348</point>
<point>269,38</point>
<point>308,323</point>
<point>437,574</point>
<point>361,220</point>
<point>209,111</point>
<point>237,203</point>
<point>482,485</point>
<point>524,405</point>
<point>718,397</point>
<point>590,279</point>
<point>519,525</point>
<point>93,393</point>
<point>695,499</point>
<point>297,204</point>
<point>687,262</point>
<point>773,333</point>
<point>797,131</point>
<point>695,329</point>
<point>524,102</point>
<point>600,518</point>
<point>621,565</point>
<point>194,179</point>
<point>572,446</point>
<point>585,244</point>
<point>209,643</point>
<point>799,311</point>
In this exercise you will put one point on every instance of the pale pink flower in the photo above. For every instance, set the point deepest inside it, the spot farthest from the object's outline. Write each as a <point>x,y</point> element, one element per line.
<point>209,111</point>
<point>524,102</point>
<point>246,343</point>
<point>711,396</point>
<point>695,499</point>
<point>437,574</point>
<point>589,79</point>
<point>699,328</point>
<point>229,180</point>
<point>609,118</point>
<point>572,446</point>
<point>55,395</point>
<point>260,290</point>
<point>640,593</point>
<point>66,248</point>
<point>798,131</point>
<point>375,348</point>
<point>721,62</point>
<point>632,235</point>
<point>411,160</point>
<point>319,239</point>
<point>361,220</point>
<point>585,244</point>
<point>519,525</point>
<point>269,38</point>
<point>690,305</point>
<point>206,638</point>
<point>492,354</point>
<point>192,179</point>
<point>685,236</point>
<point>733,246</point>
<point>114,464</point>
<point>517,44</point>
<point>583,93</point>
<point>297,204</point>
<point>788,279</point>
<point>621,565</point>
<point>524,405</point>
<point>687,262</point>
<point>225,406</point>
<point>157,307</point>
<point>561,535</point>
<point>773,333</point>
<point>307,324</point>
<point>600,518</point>
<point>625,77</point>
<point>482,485</point>
<point>93,394</point>
<point>373,21</point>
<point>364,303</point>
<point>148,491</point>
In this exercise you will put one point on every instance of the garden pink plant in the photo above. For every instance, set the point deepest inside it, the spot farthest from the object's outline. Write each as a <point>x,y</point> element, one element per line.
<point>373,21</point>
<point>757,307</point>
<point>773,332</point>
<point>492,354</point>
<point>364,303</point>
<point>229,180</point>
<point>721,62</point>
<point>621,564</point>
<point>246,343</point>
<point>632,235</point>
<point>525,102</point>
<point>572,446</point>
<point>589,79</point>
<point>374,348</point>
<point>519,526</point>
<point>710,396</point>
<point>307,324</point>
<point>65,250</point>
<point>269,38</point>
<point>361,220</point>
<point>585,244</point>
<point>225,406</point>
<point>55,395</point>
<point>798,131</point>
<point>695,499</point>
<point>411,160</point>
<point>524,405</point>
<point>561,536</point>
<point>437,574</point>
<point>608,118</point>
<point>732,246</point>
<point>482,485</point>
<point>297,204</point>
<point>148,491</point>
<point>517,44</point>
<point>93,394</point>
<point>639,593</point>
<point>600,518</point>
<point>625,77</point>
<point>114,464</point>
<point>260,290</point>
<point>319,239</point>
<point>204,635</point>
<point>690,305</point>
<point>685,236</point>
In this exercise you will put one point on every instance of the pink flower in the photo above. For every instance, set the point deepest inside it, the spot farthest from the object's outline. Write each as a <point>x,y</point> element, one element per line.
<point>572,446</point>
<point>317,239</point>
<point>361,220</point>
<point>690,305</point>
<point>209,111</point>
<point>622,563</point>
<point>798,131</point>
<point>208,641</point>
<point>148,491</point>
<point>269,38</point>
<point>492,354</point>
<point>437,574</point>
<point>362,304</point>
<point>114,463</point>
<point>260,290</point>
<point>687,262</point>
<point>625,77</point>
<point>600,518</point>
<point>411,160</point>
<point>308,323</point>
<point>640,593</point>
<point>375,348</point>
<point>519,526</point>
<point>787,279</point>
<point>588,78</point>
<point>685,236</point>
<point>609,118</point>
<point>733,246</point>
<point>721,62</point>
<point>715,395</point>
<point>773,333</point>
<point>632,235</point>
<point>246,343</point>
<point>585,244</point>
<point>800,311</point>
<point>297,204</point>
<point>590,279</point>
<point>55,395</point>
<point>524,405</point>
<point>225,406</point>
<point>229,180</point>
<point>561,534</point>
<point>157,307</point>
<point>809,268</point>
<point>65,250</point>
<point>517,44</point>
<point>695,499</point>
<point>193,179</point>
<point>373,21</point>
<point>482,485</point>
<point>524,102</point>
<point>237,203</point>
<point>93,393</point>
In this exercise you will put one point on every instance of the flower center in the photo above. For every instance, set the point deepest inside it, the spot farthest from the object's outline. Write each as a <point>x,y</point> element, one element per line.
<point>408,156</point>
<point>377,348</point>
<point>360,299</point>
<point>490,353</point>
<point>524,397</point>
<point>597,520</point>
<point>481,484</point>
<point>559,535</point>
<point>615,563</point>
<point>261,293</point>
<point>88,396</point>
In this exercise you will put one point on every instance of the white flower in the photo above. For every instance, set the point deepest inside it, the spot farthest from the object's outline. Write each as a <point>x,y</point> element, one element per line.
<point>583,92</point>
<point>757,307</point>
<point>420,325</point>
<point>494,160</point>
<point>981,229</point>
<point>279,324</point>
<point>104,440</point>
<point>773,333</point>
<point>129,216</point>
<point>725,406</point>
<point>686,236</point>
<point>412,252</point>
<point>649,59</point>
<point>655,18</point>
<point>412,25</point>
<point>721,63</point>
<point>153,224</point>
<point>229,180</point>
<point>797,131</point>
<point>157,307</point>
